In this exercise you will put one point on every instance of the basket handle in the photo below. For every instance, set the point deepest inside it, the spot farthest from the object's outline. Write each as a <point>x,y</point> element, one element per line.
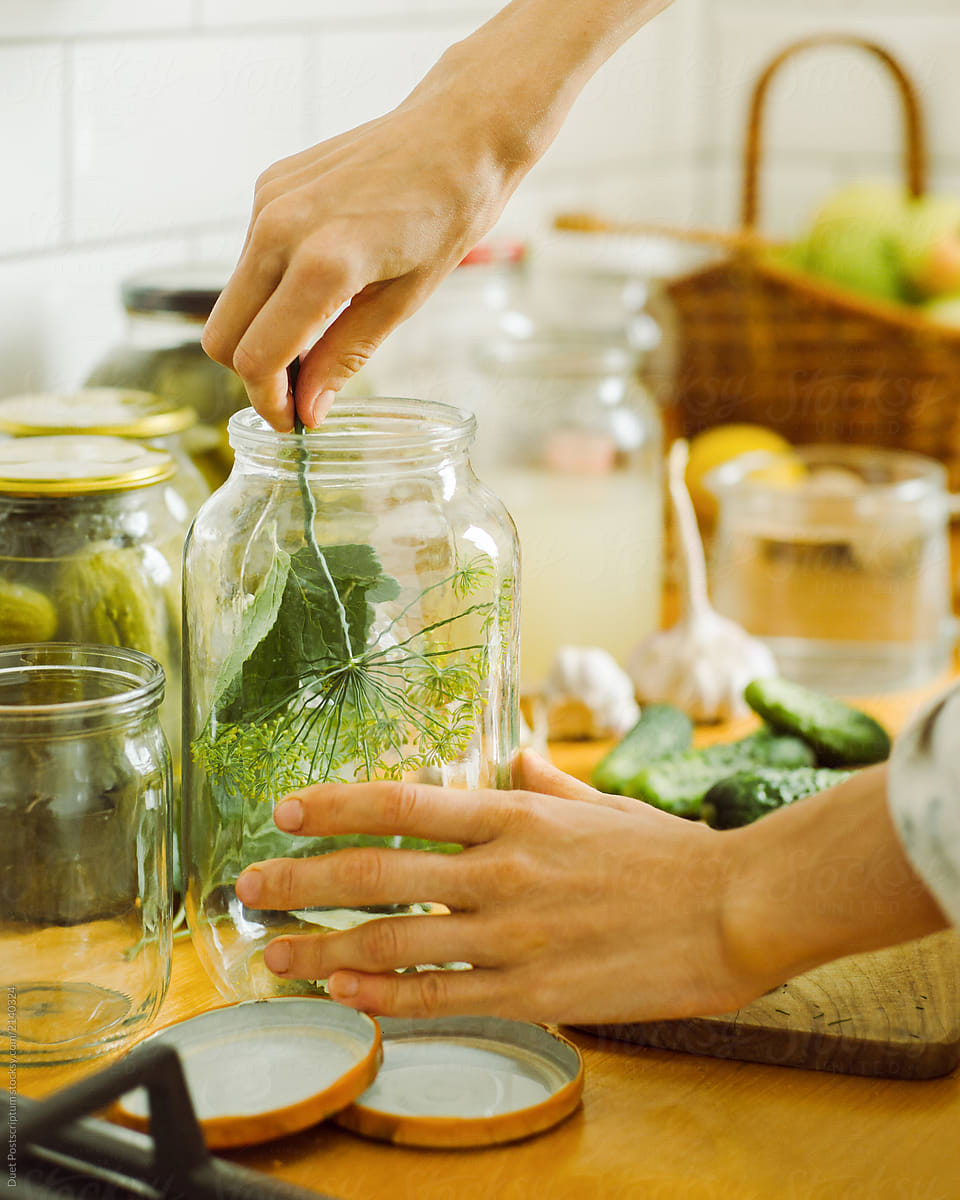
<point>915,150</point>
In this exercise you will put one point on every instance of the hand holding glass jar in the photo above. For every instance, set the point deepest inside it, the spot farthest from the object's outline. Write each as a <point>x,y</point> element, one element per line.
<point>350,615</point>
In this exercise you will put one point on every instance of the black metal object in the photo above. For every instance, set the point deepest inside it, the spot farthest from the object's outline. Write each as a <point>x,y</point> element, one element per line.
<point>58,1151</point>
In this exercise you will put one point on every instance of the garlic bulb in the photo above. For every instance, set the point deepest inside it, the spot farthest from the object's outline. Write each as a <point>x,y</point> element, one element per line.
<point>705,661</point>
<point>588,695</point>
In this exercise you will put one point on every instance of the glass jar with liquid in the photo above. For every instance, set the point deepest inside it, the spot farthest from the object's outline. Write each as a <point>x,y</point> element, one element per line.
<point>571,442</point>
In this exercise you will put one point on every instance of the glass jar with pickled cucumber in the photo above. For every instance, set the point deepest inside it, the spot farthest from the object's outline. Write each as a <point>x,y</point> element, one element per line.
<point>166,311</point>
<point>114,412</point>
<point>90,550</point>
<point>349,614</point>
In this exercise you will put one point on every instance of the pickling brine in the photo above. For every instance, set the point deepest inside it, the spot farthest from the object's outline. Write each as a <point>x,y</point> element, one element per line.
<point>571,442</point>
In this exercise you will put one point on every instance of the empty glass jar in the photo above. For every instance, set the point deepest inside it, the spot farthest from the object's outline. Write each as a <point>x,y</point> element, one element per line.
<point>85,880</point>
<point>350,614</point>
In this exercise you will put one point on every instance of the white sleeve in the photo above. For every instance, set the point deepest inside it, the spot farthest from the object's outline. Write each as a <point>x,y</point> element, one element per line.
<point>924,797</point>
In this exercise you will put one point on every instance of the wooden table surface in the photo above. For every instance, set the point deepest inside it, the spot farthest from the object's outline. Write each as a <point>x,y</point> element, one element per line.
<point>653,1123</point>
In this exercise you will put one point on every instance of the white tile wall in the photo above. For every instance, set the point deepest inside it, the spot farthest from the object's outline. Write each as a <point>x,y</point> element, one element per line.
<point>836,100</point>
<point>134,129</point>
<point>60,312</point>
<point>306,12</point>
<point>172,132</point>
<point>64,18</point>
<point>31,138</point>
<point>357,75</point>
<point>640,102</point>
<point>791,189</point>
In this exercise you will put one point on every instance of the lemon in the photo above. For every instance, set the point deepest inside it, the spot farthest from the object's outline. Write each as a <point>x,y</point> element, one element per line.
<point>715,447</point>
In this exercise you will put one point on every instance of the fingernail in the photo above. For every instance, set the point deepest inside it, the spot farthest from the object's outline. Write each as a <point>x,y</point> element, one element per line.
<point>342,985</point>
<point>249,886</point>
<point>320,407</point>
<point>288,815</point>
<point>277,956</point>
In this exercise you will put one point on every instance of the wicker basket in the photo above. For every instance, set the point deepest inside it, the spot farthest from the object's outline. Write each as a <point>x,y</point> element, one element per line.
<point>763,343</point>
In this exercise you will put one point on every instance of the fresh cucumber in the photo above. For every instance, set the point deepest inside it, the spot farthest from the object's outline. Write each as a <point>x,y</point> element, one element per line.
<point>840,735</point>
<point>747,795</point>
<point>662,730</point>
<point>678,784</point>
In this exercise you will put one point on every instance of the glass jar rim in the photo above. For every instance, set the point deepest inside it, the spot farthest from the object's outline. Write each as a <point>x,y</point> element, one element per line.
<point>380,427</point>
<point>909,476</point>
<point>137,679</point>
<point>557,352</point>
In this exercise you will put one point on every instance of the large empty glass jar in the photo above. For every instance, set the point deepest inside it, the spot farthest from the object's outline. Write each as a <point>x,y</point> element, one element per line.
<point>349,615</point>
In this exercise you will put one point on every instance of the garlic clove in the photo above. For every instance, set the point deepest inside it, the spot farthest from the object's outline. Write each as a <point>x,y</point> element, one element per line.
<point>588,695</point>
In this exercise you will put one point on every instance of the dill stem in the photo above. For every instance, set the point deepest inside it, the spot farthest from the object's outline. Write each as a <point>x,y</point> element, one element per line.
<point>310,507</point>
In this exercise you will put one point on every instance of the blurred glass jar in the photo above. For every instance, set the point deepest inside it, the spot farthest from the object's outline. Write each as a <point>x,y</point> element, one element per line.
<point>166,311</point>
<point>91,540</point>
<point>430,354</point>
<point>606,285</point>
<point>85,896</point>
<point>349,600</point>
<point>571,442</point>
<point>845,571</point>
<point>114,412</point>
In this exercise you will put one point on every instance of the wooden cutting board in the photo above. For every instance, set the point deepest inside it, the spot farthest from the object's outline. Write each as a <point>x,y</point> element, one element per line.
<point>894,1013</point>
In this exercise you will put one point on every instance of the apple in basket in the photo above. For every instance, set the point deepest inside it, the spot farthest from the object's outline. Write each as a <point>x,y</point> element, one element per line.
<point>929,245</point>
<point>853,239</point>
<point>944,309</point>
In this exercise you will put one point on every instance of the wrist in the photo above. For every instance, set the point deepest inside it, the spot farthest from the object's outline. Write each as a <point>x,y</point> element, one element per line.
<point>821,879</point>
<point>518,75</point>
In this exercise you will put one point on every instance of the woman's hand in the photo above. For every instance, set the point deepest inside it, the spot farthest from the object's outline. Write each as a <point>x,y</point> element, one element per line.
<point>570,905</point>
<point>376,218</point>
<point>578,907</point>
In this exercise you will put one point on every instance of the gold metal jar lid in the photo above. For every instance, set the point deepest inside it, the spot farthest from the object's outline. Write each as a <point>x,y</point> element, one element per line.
<point>111,412</point>
<point>71,465</point>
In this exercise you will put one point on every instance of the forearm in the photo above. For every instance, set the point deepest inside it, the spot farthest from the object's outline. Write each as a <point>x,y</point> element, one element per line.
<point>822,879</point>
<point>524,68</point>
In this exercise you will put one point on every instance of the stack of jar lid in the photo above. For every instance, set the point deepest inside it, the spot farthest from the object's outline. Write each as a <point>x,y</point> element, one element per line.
<point>113,412</point>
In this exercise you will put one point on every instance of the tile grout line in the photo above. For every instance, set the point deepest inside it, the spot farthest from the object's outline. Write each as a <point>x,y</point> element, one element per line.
<point>195,27</point>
